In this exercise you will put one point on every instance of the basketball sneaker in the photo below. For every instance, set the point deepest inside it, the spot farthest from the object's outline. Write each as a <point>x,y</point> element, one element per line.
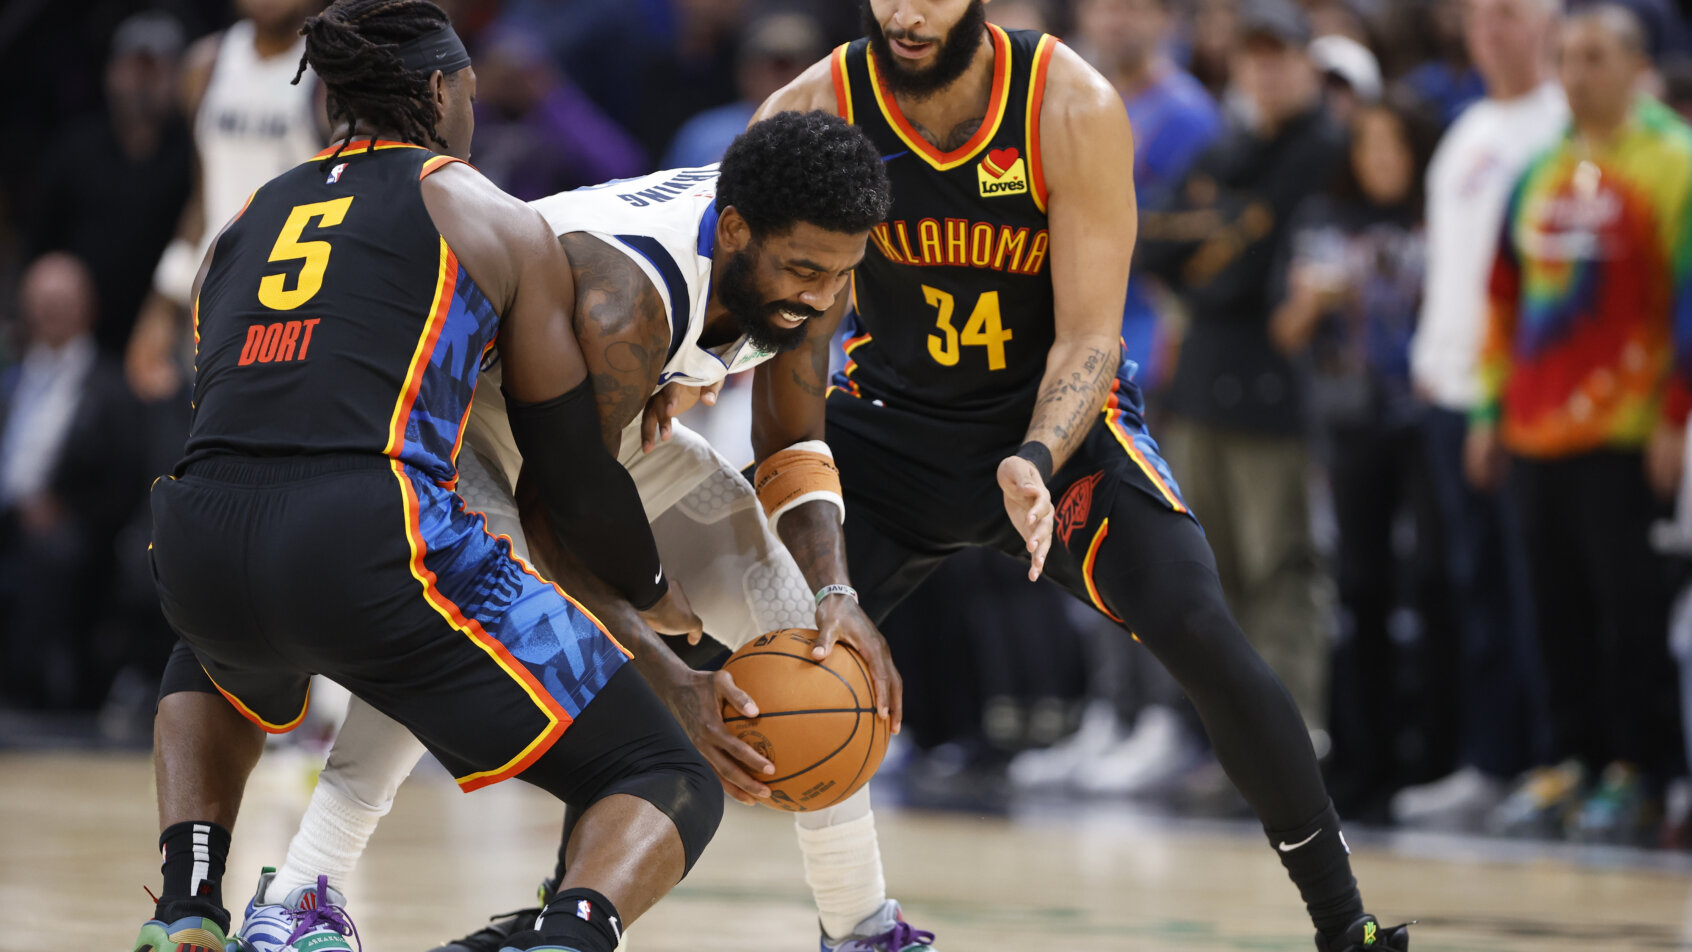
<point>1620,811</point>
<point>500,928</point>
<point>1368,935</point>
<point>309,919</point>
<point>189,934</point>
<point>1541,802</point>
<point>884,931</point>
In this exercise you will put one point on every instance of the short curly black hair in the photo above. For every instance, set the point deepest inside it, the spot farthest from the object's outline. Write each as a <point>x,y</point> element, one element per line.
<point>804,167</point>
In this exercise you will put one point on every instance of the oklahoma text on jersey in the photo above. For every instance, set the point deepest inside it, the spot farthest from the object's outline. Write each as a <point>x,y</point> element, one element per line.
<point>961,243</point>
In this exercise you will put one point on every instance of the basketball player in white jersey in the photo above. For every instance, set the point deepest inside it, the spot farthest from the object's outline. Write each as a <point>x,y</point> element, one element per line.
<point>251,123</point>
<point>683,276</point>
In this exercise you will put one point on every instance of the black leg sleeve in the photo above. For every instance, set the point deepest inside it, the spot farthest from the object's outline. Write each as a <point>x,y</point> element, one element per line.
<point>1157,574</point>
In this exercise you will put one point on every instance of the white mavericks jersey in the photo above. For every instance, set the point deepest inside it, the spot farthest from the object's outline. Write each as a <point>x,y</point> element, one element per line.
<point>666,223</point>
<point>253,125</point>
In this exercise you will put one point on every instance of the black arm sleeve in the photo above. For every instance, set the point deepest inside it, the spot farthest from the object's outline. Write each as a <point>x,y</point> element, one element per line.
<point>596,512</point>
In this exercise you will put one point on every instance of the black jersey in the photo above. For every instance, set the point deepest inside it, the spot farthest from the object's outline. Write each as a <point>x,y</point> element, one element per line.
<point>335,319</point>
<point>953,303</point>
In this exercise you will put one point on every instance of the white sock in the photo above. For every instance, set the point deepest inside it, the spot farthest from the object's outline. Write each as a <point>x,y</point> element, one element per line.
<point>842,863</point>
<point>372,756</point>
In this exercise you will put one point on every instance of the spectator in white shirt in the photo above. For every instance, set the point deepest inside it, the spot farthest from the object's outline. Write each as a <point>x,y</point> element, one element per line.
<point>1491,659</point>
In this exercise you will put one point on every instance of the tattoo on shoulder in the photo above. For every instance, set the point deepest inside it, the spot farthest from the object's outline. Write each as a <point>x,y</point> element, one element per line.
<point>621,326</point>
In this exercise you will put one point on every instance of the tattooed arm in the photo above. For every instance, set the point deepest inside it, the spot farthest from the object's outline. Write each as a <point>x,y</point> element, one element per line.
<point>789,394</point>
<point>622,329</point>
<point>623,332</point>
<point>1088,148</point>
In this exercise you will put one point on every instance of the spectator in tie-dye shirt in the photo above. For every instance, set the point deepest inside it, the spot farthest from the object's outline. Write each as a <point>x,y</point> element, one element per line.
<point>1585,398</point>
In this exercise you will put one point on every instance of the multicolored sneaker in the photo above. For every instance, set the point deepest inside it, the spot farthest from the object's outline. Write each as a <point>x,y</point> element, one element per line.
<point>884,931</point>
<point>524,940</point>
<point>190,934</point>
<point>1541,802</point>
<point>309,919</point>
<point>1620,812</point>
<point>1368,935</point>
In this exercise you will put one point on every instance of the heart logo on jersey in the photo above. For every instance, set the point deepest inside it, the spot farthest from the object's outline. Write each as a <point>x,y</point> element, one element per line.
<point>999,161</point>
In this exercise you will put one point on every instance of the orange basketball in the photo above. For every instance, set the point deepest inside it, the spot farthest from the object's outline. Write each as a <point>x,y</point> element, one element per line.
<point>816,719</point>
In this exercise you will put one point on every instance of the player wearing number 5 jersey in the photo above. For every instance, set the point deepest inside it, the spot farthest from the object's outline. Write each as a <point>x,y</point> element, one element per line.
<point>312,526</point>
<point>985,378</point>
<point>685,274</point>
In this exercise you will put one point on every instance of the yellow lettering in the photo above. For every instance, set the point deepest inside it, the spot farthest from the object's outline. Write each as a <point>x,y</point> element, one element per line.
<point>884,244</point>
<point>273,290</point>
<point>981,245</point>
<point>928,236</point>
<point>905,242</point>
<point>1036,254</point>
<point>957,242</point>
<point>1012,242</point>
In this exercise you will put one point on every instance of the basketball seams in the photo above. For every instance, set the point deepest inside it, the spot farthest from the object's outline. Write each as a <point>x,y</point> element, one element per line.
<point>857,731</point>
<point>822,760</point>
<point>809,710</point>
<point>858,778</point>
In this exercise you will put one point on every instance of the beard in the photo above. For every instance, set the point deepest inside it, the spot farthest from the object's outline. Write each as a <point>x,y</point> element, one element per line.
<point>754,316</point>
<point>957,51</point>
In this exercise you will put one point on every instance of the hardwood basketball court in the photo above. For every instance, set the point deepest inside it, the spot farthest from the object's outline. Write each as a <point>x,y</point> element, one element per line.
<point>78,834</point>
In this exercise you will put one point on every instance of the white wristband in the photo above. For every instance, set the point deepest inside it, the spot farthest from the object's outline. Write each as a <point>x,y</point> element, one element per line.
<point>828,590</point>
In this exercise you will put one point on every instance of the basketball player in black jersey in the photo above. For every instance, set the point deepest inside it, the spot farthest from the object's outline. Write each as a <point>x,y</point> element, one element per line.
<point>988,317</point>
<point>311,527</point>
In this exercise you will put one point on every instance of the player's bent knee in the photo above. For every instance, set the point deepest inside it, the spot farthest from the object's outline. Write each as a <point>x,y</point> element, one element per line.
<point>685,790</point>
<point>625,741</point>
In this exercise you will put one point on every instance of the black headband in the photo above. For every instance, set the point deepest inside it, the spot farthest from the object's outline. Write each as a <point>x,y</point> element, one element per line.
<point>438,49</point>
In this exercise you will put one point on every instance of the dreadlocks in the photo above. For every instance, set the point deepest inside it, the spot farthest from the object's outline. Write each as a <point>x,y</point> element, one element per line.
<point>351,47</point>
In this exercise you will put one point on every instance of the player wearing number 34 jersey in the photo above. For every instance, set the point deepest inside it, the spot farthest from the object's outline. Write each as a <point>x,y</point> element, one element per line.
<point>985,380</point>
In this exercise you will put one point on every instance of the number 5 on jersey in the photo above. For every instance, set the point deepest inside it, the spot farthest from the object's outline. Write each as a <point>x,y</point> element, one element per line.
<point>983,329</point>
<point>273,291</point>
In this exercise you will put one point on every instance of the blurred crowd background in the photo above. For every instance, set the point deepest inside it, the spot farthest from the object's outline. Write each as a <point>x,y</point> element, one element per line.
<point>1410,287</point>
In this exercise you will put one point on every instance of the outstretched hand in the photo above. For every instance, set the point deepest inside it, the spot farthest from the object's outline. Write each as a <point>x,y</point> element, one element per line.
<point>1029,505</point>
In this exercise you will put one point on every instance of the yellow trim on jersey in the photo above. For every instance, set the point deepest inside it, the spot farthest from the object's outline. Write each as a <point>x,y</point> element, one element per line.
<point>445,281</point>
<point>1031,119</point>
<point>842,83</point>
<point>996,106</point>
<point>557,719</point>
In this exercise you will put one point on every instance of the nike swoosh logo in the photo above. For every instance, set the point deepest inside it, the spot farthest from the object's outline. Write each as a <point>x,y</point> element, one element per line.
<point>615,928</point>
<point>1289,847</point>
<point>889,158</point>
<point>659,577</point>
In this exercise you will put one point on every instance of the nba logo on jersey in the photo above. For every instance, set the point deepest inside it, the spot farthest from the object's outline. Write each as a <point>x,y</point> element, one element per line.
<point>584,910</point>
<point>1002,172</point>
<point>335,173</point>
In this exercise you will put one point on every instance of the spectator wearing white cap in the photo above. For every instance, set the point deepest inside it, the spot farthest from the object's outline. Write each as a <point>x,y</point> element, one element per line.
<point>1352,73</point>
